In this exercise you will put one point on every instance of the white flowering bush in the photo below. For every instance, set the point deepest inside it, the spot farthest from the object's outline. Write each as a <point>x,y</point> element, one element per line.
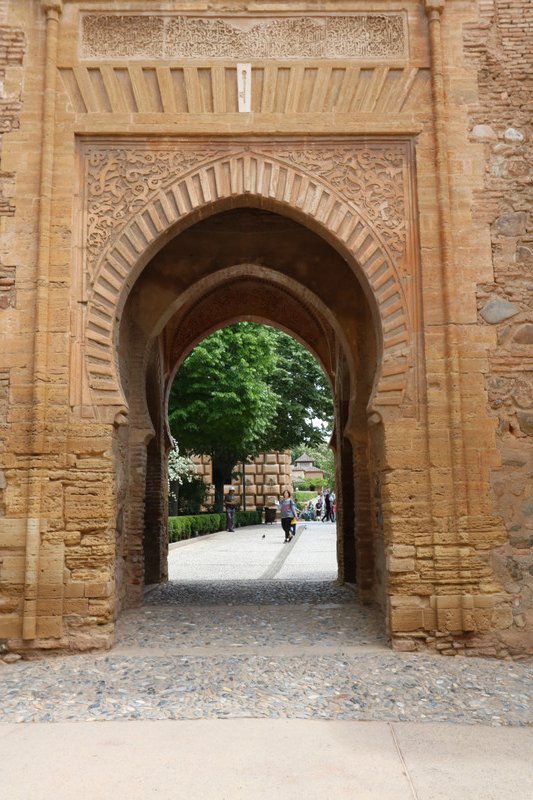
<point>180,470</point>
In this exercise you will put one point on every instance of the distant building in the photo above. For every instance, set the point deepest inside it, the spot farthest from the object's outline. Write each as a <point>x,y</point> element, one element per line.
<point>304,469</point>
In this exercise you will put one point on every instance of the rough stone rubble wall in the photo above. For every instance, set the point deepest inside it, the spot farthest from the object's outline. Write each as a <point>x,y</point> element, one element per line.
<point>500,46</point>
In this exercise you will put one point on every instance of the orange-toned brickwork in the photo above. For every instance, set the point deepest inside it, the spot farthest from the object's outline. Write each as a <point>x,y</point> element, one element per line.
<point>354,175</point>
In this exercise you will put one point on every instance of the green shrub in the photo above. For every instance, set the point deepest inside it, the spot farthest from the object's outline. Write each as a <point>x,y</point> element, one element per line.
<point>180,528</point>
<point>191,496</point>
<point>309,484</point>
<point>303,497</point>
<point>243,518</point>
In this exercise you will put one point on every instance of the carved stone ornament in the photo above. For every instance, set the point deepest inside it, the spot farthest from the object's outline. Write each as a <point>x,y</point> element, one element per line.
<point>363,36</point>
<point>121,180</point>
<point>358,191</point>
<point>371,179</point>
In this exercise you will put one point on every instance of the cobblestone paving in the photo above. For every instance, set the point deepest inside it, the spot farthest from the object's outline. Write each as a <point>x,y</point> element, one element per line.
<point>268,648</point>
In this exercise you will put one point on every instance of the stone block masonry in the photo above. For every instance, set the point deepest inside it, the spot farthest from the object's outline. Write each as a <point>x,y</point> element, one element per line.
<point>267,474</point>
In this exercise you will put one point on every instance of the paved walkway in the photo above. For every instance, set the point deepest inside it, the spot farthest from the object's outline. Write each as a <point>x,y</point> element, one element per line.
<point>250,759</point>
<point>258,553</point>
<point>253,669</point>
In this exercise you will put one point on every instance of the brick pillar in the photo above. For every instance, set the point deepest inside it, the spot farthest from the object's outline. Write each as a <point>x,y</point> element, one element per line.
<point>155,544</point>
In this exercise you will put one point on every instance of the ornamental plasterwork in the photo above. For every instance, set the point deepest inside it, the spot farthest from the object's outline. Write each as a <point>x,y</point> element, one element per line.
<point>363,36</point>
<point>372,179</point>
<point>120,182</point>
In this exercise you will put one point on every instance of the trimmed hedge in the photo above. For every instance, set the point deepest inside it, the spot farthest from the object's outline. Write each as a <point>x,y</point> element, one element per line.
<point>243,518</point>
<point>180,528</point>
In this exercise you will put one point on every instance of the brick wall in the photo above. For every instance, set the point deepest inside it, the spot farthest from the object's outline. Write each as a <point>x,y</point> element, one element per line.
<point>11,53</point>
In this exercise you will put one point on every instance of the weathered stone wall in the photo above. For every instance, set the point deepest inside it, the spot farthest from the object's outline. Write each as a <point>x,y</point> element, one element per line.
<point>500,46</point>
<point>12,49</point>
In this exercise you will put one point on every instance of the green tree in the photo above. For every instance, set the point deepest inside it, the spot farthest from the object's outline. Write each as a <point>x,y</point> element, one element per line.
<point>221,403</point>
<point>305,412</point>
<point>244,390</point>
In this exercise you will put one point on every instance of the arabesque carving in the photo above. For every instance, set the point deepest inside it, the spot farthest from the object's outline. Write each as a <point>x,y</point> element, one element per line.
<point>135,195</point>
<point>140,36</point>
<point>121,180</point>
<point>371,178</point>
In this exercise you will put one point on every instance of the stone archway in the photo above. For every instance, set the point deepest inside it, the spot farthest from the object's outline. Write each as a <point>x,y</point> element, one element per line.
<point>191,287</point>
<point>146,196</point>
<point>131,142</point>
<point>356,196</point>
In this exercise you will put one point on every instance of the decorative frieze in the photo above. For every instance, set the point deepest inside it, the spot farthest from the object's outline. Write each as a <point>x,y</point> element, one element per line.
<point>362,36</point>
<point>120,181</point>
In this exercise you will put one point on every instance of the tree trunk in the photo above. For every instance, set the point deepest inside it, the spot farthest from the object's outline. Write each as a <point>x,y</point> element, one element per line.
<point>221,475</point>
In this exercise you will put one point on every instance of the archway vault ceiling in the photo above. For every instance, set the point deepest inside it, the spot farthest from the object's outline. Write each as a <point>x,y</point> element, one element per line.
<point>256,300</point>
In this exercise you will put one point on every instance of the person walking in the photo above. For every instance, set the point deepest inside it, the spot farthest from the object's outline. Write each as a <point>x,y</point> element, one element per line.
<point>288,512</point>
<point>230,504</point>
<point>333,501</point>
<point>327,507</point>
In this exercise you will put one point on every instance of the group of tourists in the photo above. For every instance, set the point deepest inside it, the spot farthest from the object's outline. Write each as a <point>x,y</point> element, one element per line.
<point>323,507</point>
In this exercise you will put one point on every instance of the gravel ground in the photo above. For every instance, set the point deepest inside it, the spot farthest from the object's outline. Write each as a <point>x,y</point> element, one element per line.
<point>268,648</point>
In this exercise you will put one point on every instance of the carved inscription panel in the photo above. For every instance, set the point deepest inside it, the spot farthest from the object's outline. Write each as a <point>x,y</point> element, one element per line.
<point>362,36</point>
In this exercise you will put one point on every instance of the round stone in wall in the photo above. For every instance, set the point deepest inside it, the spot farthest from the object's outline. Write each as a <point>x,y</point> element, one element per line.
<point>512,135</point>
<point>484,132</point>
<point>512,224</point>
<point>525,420</point>
<point>497,310</point>
<point>524,334</point>
<point>523,393</point>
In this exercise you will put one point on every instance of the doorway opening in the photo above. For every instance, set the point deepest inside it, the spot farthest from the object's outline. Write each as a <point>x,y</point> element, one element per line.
<point>249,262</point>
<point>251,411</point>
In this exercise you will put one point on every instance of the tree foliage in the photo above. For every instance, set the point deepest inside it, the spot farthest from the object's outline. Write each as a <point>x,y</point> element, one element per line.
<point>244,390</point>
<point>305,410</point>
